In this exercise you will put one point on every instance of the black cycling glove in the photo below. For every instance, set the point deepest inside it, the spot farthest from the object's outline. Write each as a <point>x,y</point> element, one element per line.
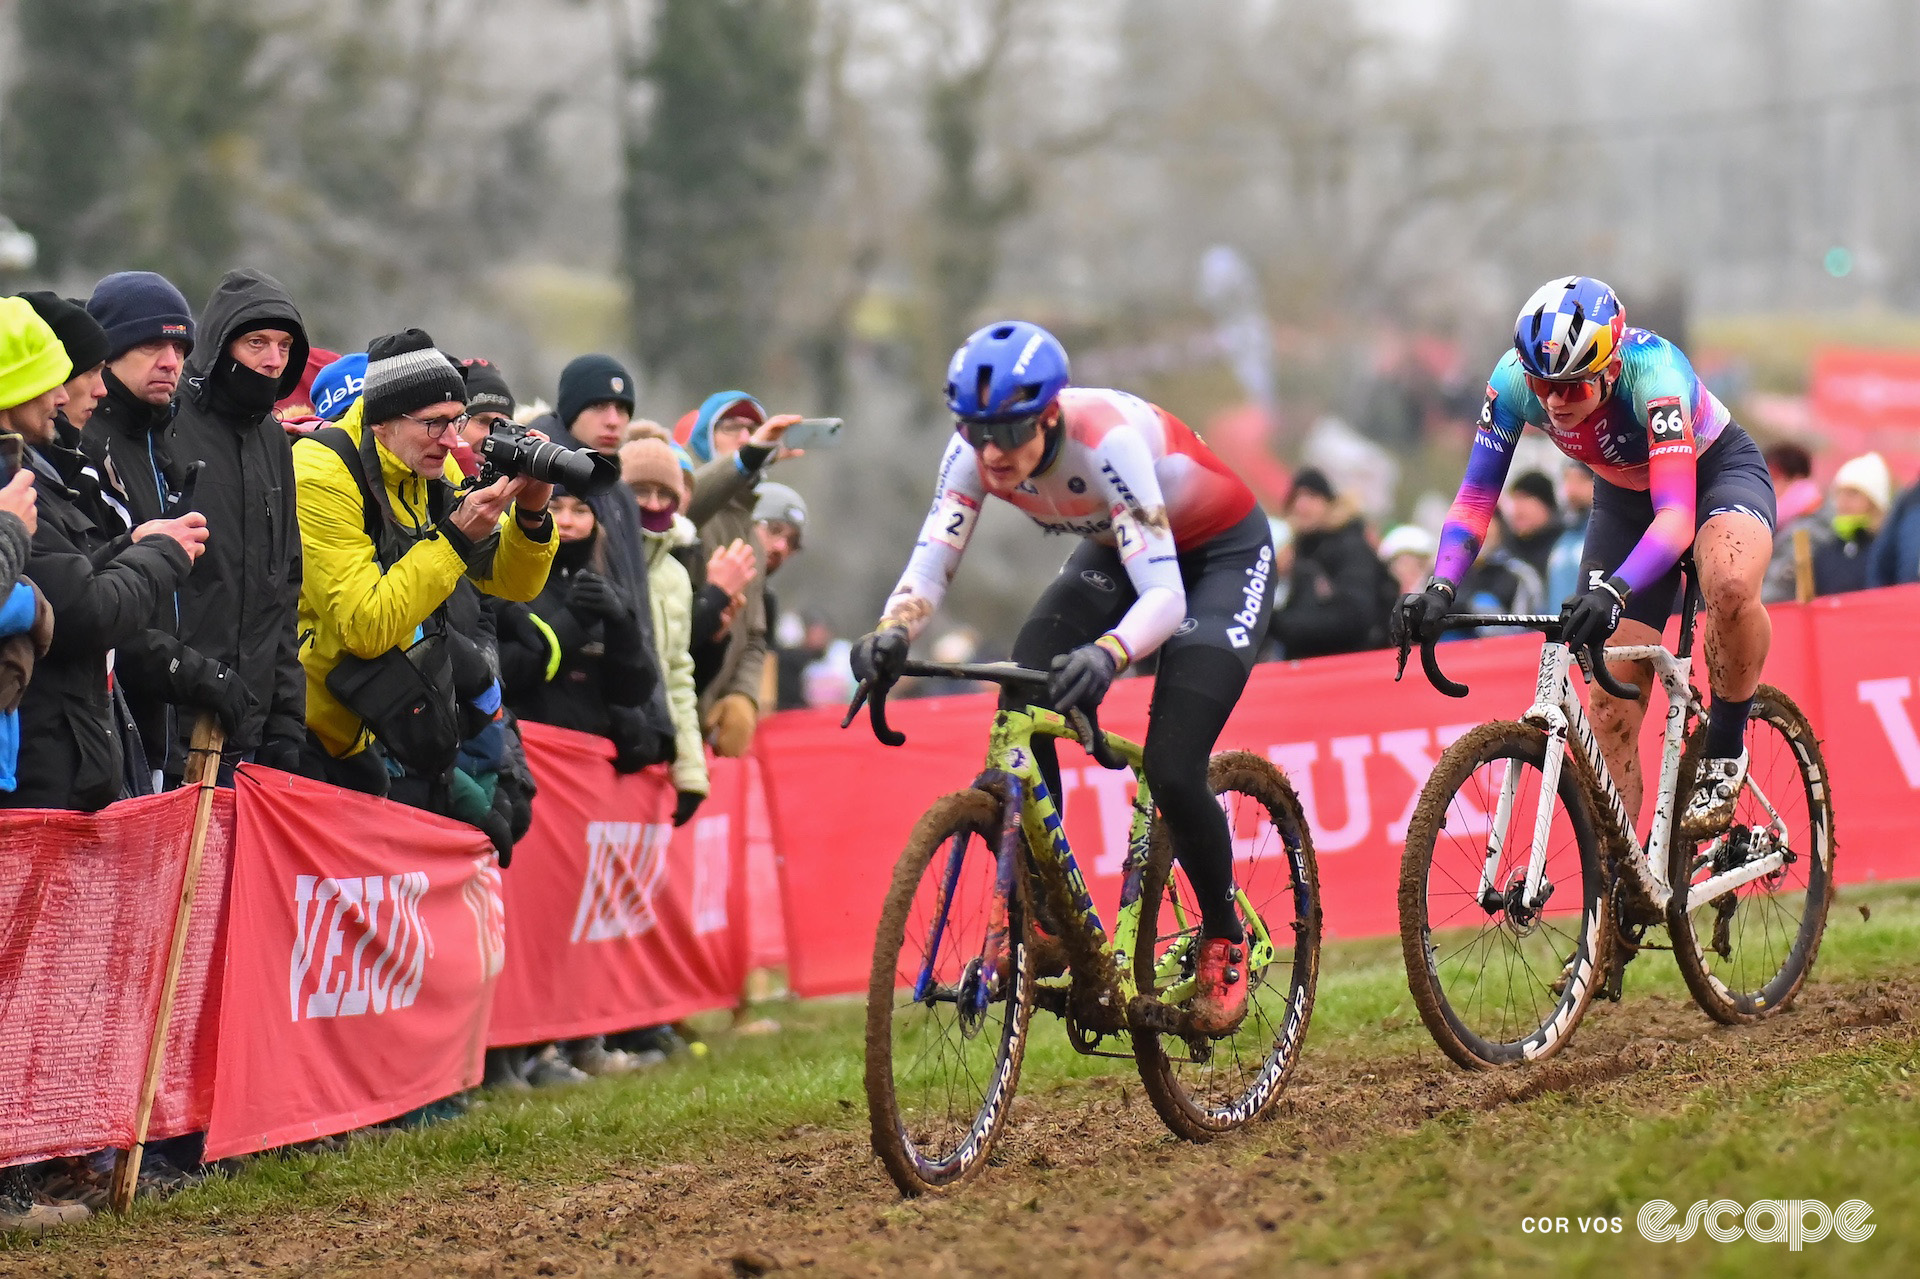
<point>1590,617</point>
<point>218,688</point>
<point>1081,678</point>
<point>878,655</point>
<point>1416,618</point>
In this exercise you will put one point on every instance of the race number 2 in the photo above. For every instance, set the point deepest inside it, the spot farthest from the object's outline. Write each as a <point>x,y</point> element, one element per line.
<point>953,518</point>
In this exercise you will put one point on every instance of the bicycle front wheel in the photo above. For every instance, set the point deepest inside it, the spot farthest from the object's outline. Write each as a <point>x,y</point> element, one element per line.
<point>1746,952</point>
<point>1501,971</point>
<point>1204,1086</point>
<point>946,1025</point>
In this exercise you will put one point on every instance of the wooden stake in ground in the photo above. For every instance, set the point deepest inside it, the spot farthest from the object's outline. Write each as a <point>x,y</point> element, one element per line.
<point>203,770</point>
<point>1802,565</point>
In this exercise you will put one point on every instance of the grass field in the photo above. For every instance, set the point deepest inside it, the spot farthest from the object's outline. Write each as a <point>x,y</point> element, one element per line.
<point>1381,1159</point>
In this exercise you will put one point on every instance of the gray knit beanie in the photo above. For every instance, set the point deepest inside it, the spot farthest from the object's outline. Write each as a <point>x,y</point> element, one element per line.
<point>405,374</point>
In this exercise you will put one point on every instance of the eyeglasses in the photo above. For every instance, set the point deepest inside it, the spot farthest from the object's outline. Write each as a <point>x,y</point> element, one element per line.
<point>437,427</point>
<point>1571,390</point>
<point>1006,435</point>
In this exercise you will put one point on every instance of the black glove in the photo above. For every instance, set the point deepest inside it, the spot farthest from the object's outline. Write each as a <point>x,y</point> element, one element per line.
<point>878,655</point>
<point>218,688</point>
<point>1080,678</point>
<point>1415,619</point>
<point>1588,618</point>
<point>591,595</point>
<point>685,807</point>
<point>282,753</point>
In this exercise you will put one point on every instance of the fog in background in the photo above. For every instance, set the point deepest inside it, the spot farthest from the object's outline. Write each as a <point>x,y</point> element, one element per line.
<point>1264,214</point>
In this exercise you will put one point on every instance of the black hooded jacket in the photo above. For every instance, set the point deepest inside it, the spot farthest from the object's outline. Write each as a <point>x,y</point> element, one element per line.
<point>624,553</point>
<point>241,603</point>
<point>103,588</point>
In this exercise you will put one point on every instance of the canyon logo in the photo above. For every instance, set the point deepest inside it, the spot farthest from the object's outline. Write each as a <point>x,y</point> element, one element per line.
<point>360,945</point>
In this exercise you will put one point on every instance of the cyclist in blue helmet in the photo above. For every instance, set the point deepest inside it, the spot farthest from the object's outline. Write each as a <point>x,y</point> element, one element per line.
<point>1175,558</point>
<point>1672,470</point>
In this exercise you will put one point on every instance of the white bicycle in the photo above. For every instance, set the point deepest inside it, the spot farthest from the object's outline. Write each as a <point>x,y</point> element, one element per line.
<point>1505,949</point>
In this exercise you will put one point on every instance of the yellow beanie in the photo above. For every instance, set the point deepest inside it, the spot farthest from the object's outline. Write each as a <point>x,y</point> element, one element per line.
<point>32,361</point>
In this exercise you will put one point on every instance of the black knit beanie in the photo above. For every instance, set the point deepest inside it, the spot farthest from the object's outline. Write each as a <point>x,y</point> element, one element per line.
<point>79,333</point>
<point>592,379</point>
<point>487,390</point>
<point>405,374</point>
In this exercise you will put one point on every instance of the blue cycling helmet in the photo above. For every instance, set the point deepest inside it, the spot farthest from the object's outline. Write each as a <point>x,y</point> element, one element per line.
<point>1569,329</point>
<point>1005,372</point>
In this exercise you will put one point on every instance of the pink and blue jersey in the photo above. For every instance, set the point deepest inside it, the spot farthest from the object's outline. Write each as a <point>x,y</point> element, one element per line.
<point>1648,435</point>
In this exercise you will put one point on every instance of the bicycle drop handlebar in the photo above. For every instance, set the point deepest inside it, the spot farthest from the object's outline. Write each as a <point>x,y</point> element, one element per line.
<point>1085,723</point>
<point>1592,662</point>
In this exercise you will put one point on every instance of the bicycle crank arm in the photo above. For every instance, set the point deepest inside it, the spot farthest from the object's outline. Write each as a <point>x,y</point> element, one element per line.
<point>1740,876</point>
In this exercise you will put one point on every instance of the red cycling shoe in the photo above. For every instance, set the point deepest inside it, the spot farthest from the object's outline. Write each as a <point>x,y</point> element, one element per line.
<point>1221,999</point>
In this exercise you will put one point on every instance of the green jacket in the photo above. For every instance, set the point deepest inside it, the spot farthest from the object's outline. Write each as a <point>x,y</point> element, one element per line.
<point>670,590</point>
<point>722,509</point>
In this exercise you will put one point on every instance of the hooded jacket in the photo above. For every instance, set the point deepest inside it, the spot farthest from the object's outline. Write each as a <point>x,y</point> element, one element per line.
<point>722,509</point>
<point>1341,592</point>
<point>618,517</point>
<point>103,590</point>
<point>568,668</point>
<point>349,604</point>
<point>671,591</point>
<point>240,604</point>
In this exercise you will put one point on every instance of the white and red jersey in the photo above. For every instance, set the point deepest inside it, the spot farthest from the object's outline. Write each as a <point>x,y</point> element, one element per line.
<point>1125,473</point>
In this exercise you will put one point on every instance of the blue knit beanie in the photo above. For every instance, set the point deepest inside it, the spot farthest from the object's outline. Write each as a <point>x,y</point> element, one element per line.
<point>139,306</point>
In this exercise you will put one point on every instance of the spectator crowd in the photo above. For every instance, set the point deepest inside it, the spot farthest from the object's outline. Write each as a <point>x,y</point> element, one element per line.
<point>365,568</point>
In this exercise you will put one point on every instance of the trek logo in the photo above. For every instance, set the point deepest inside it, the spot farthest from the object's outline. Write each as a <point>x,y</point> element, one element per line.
<point>625,863</point>
<point>1254,593</point>
<point>1026,353</point>
<point>358,962</point>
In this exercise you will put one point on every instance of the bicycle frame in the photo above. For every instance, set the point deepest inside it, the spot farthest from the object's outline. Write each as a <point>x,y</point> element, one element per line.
<point>1034,814</point>
<point>1557,711</point>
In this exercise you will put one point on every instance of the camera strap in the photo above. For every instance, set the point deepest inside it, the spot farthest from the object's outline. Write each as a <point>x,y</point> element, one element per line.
<point>383,528</point>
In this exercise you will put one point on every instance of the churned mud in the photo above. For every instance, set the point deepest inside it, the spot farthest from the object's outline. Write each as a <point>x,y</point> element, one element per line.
<point>1085,1182</point>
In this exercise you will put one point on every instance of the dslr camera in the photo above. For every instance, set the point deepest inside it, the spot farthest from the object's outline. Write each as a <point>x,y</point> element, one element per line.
<point>583,472</point>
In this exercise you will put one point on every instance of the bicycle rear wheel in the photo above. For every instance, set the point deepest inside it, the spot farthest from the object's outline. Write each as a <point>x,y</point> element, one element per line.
<point>1746,953</point>
<point>1204,1086</point>
<point>1500,978</point>
<point>942,1069</point>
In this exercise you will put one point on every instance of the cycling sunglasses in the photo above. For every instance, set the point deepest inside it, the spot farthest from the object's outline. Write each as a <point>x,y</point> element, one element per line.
<point>1572,390</point>
<point>1006,435</point>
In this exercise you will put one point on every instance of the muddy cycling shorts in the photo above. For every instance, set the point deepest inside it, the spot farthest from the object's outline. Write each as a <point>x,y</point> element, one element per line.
<point>1730,477</point>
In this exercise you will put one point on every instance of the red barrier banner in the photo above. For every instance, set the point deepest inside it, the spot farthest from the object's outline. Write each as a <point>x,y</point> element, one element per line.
<point>1356,746</point>
<point>618,920</point>
<point>87,906</point>
<point>362,952</point>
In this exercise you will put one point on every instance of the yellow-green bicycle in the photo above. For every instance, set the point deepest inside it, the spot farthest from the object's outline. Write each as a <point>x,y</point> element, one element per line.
<point>989,917</point>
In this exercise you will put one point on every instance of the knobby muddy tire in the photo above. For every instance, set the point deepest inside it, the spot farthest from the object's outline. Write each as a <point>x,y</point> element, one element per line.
<point>1777,712</point>
<point>915,1171</point>
<point>1545,1035</point>
<point>1185,1115</point>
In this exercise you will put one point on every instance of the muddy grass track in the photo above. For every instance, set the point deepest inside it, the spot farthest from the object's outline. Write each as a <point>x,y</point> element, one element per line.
<point>1086,1180</point>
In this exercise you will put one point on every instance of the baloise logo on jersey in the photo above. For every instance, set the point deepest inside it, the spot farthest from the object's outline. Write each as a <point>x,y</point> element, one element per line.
<point>1255,594</point>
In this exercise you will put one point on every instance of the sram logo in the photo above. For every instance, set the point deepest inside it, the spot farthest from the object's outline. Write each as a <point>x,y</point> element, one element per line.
<point>359,946</point>
<point>625,863</point>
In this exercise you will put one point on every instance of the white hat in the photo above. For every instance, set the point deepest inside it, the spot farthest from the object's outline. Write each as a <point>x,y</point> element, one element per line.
<point>1408,539</point>
<point>1867,475</point>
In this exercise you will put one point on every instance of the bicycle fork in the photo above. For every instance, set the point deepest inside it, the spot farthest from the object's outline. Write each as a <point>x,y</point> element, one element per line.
<point>973,995</point>
<point>1492,896</point>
